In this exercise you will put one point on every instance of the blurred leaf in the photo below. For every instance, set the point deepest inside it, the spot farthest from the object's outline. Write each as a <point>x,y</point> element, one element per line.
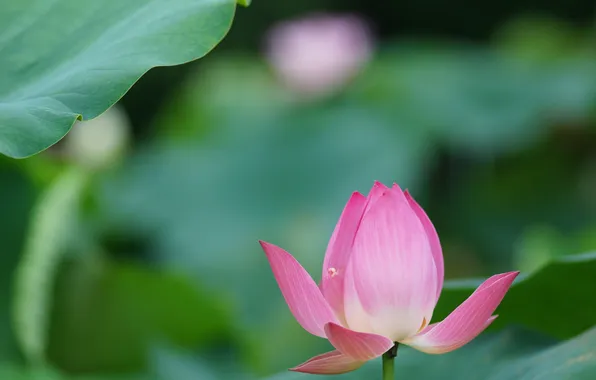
<point>224,89</point>
<point>511,354</point>
<point>18,196</point>
<point>498,200</point>
<point>13,372</point>
<point>53,219</point>
<point>169,364</point>
<point>82,57</point>
<point>544,301</point>
<point>474,99</point>
<point>538,246</point>
<point>41,170</point>
<point>245,3</point>
<point>541,244</point>
<point>107,315</point>
<point>541,38</point>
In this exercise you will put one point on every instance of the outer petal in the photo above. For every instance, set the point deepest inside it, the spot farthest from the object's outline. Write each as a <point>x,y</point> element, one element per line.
<point>467,321</point>
<point>360,346</point>
<point>338,253</point>
<point>299,290</point>
<point>330,363</point>
<point>393,269</point>
<point>433,239</point>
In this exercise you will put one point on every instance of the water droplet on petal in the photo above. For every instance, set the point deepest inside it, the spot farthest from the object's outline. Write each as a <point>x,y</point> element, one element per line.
<point>332,272</point>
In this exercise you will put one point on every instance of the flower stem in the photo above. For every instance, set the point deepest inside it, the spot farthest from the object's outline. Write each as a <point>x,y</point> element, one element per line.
<point>388,363</point>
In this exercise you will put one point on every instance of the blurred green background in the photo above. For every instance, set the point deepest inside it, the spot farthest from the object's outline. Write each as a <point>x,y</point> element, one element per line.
<point>130,248</point>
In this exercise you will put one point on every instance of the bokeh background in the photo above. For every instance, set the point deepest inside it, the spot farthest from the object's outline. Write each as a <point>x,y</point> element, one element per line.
<point>151,213</point>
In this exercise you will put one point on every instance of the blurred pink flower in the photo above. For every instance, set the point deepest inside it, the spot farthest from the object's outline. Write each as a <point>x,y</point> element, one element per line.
<point>382,277</point>
<point>319,54</point>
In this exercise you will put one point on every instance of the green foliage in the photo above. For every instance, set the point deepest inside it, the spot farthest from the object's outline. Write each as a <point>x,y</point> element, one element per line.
<point>13,372</point>
<point>68,59</point>
<point>158,274</point>
<point>477,100</point>
<point>53,219</point>
<point>120,310</point>
<point>19,373</point>
<point>18,196</point>
<point>546,186</point>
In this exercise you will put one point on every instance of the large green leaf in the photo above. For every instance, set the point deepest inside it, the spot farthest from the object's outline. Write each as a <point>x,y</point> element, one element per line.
<point>555,300</point>
<point>68,59</point>
<point>511,354</point>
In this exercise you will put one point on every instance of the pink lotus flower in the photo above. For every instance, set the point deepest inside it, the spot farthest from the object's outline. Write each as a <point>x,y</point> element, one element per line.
<point>382,277</point>
<point>320,53</point>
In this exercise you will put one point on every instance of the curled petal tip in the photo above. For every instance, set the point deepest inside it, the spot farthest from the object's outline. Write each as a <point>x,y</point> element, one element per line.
<point>515,274</point>
<point>268,248</point>
<point>330,363</point>
<point>510,276</point>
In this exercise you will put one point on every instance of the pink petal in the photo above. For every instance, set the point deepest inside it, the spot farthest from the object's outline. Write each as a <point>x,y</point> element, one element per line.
<point>393,268</point>
<point>330,363</point>
<point>358,345</point>
<point>430,327</point>
<point>374,194</point>
<point>433,239</point>
<point>305,300</point>
<point>356,317</point>
<point>467,321</point>
<point>338,253</point>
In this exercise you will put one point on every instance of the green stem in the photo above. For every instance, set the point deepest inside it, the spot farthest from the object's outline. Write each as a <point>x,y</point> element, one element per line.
<point>388,363</point>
